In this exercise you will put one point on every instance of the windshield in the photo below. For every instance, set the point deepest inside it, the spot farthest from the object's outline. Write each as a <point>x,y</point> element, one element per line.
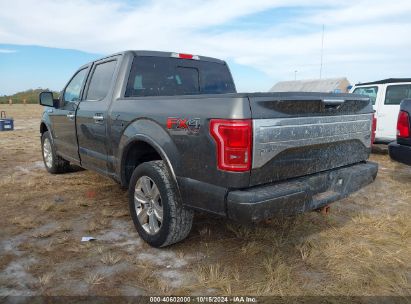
<point>162,76</point>
<point>371,92</point>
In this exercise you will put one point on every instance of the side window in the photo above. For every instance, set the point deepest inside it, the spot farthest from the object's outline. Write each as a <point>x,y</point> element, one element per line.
<point>73,89</point>
<point>396,93</point>
<point>101,80</point>
<point>369,91</point>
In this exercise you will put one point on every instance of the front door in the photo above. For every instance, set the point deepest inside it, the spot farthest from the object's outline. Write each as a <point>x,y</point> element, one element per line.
<point>92,115</point>
<point>387,111</point>
<point>63,119</point>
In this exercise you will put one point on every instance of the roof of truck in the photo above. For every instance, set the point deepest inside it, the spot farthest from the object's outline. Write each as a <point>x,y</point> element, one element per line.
<point>163,54</point>
<point>388,80</point>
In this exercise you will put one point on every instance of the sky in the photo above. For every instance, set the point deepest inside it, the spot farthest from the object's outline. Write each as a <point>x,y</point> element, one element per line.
<point>42,43</point>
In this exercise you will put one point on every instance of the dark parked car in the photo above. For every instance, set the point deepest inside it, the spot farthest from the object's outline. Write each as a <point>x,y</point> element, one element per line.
<point>400,150</point>
<point>172,129</point>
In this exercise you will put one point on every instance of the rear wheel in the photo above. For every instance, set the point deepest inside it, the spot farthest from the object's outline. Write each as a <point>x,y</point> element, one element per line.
<point>52,162</point>
<point>158,215</point>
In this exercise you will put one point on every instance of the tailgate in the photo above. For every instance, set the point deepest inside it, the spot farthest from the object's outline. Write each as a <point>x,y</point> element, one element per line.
<point>296,134</point>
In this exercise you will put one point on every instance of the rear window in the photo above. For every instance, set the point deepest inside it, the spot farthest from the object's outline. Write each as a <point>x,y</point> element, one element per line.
<point>371,92</point>
<point>396,93</point>
<point>162,76</point>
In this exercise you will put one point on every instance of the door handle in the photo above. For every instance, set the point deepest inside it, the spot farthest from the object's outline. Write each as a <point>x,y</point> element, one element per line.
<point>70,115</point>
<point>98,117</point>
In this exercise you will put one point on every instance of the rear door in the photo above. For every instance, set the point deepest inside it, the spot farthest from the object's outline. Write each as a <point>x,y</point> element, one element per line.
<point>63,118</point>
<point>389,107</point>
<point>91,119</point>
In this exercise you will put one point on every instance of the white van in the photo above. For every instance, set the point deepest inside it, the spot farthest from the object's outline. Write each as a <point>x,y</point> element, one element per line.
<point>386,96</point>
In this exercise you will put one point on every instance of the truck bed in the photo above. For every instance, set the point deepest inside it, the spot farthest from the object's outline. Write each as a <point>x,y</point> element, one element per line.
<point>294,134</point>
<point>301,133</point>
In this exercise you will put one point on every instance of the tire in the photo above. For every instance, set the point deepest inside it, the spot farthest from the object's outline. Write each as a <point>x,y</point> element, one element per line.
<point>158,228</point>
<point>54,164</point>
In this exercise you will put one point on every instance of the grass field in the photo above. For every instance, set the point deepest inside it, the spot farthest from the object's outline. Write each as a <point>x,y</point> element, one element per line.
<point>362,248</point>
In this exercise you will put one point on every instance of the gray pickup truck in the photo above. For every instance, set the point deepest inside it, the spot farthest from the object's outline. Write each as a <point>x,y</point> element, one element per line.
<point>172,129</point>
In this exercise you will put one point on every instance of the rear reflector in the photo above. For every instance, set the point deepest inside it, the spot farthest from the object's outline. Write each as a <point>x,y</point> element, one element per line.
<point>403,125</point>
<point>185,56</point>
<point>233,138</point>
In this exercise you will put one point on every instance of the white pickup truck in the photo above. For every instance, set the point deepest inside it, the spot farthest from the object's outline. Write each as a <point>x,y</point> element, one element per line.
<point>386,96</point>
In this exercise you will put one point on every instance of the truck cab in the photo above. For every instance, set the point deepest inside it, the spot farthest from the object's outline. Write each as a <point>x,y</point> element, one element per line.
<point>386,96</point>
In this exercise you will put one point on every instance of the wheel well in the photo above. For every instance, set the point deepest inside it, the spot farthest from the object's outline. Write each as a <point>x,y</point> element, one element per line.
<point>136,154</point>
<point>43,128</point>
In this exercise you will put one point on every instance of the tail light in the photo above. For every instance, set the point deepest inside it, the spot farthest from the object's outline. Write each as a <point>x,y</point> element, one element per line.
<point>233,138</point>
<point>374,128</point>
<point>185,56</point>
<point>403,125</point>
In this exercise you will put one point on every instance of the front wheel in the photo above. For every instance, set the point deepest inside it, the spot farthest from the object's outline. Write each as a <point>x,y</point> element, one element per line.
<point>159,217</point>
<point>52,162</point>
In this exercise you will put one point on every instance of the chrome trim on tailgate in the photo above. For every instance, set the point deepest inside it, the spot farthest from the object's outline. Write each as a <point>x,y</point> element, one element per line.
<point>273,136</point>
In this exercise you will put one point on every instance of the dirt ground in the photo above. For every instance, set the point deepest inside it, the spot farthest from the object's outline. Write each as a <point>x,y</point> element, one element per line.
<point>362,248</point>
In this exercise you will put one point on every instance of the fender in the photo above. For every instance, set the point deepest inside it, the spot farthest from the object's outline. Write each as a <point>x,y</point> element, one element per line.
<point>46,120</point>
<point>150,132</point>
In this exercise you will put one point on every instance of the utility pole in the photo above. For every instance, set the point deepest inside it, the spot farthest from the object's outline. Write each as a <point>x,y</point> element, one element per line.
<point>295,75</point>
<point>322,52</point>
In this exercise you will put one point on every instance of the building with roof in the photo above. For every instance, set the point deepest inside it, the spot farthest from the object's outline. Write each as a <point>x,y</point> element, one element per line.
<point>328,85</point>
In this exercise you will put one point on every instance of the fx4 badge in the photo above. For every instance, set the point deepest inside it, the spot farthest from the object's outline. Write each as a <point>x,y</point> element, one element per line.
<point>190,125</point>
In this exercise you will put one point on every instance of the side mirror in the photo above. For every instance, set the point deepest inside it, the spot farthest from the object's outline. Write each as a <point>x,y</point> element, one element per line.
<point>46,99</point>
